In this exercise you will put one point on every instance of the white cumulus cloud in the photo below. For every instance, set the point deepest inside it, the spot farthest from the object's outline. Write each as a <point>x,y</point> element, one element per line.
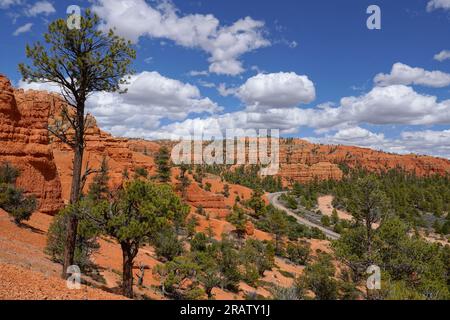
<point>224,44</point>
<point>276,90</point>
<point>406,75</point>
<point>150,98</point>
<point>442,56</point>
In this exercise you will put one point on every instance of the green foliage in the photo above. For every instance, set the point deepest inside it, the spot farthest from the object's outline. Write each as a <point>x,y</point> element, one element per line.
<point>278,225</point>
<point>226,190</point>
<point>285,294</point>
<point>319,278</point>
<point>136,216</point>
<point>86,242</point>
<point>307,193</point>
<point>176,272</point>
<point>99,189</point>
<point>247,176</point>
<point>81,60</point>
<point>140,210</point>
<point>367,202</point>
<point>407,195</point>
<point>12,199</point>
<point>208,187</point>
<point>293,230</point>
<point>191,225</point>
<point>239,220</point>
<point>228,261</point>
<point>256,258</point>
<point>290,201</point>
<point>8,173</point>
<point>326,221</point>
<point>167,245</point>
<point>256,202</point>
<point>412,266</point>
<point>162,161</point>
<point>299,253</point>
<point>184,180</point>
<point>199,242</point>
<point>140,172</point>
<point>334,217</point>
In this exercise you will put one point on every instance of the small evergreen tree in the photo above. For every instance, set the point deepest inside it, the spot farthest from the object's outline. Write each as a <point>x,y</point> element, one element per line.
<point>136,216</point>
<point>12,199</point>
<point>162,160</point>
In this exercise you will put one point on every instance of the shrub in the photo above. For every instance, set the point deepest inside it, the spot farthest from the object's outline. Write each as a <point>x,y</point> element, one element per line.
<point>299,252</point>
<point>140,172</point>
<point>199,242</point>
<point>319,278</point>
<point>226,190</point>
<point>12,199</point>
<point>8,174</point>
<point>86,242</point>
<point>167,244</point>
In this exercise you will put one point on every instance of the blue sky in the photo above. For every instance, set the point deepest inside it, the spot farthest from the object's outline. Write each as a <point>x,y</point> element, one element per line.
<point>310,68</point>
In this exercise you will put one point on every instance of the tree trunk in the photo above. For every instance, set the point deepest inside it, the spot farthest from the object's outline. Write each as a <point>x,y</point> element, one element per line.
<point>127,271</point>
<point>369,250</point>
<point>72,222</point>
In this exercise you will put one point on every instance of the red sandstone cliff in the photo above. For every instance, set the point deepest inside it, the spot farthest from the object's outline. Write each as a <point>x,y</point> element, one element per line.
<point>25,142</point>
<point>303,161</point>
<point>46,165</point>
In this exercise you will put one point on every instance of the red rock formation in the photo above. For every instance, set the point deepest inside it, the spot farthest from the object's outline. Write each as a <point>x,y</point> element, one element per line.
<point>249,228</point>
<point>46,165</point>
<point>118,153</point>
<point>303,161</point>
<point>198,197</point>
<point>25,143</point>
<point>303,173</point>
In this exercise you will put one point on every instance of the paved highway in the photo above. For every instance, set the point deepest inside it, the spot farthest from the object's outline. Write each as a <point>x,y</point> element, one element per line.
<point>274,200</point>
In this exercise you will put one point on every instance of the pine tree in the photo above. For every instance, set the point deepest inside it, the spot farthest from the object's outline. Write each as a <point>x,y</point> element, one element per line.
<point>162,160</point>
<point>81,61</point>
<point>135,216</point>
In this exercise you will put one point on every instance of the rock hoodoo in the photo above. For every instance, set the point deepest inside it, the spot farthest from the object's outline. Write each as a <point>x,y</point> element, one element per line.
<point>25,142</point>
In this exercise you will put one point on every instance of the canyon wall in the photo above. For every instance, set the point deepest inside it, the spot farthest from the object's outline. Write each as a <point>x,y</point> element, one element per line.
<point>46,164</point>
<point>303,161</point>
<point>24,142</point>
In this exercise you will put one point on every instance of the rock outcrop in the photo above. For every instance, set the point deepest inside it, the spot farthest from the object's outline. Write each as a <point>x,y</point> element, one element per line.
<point>303,161</point>
<point>46,164</point>
<point>198,197</point>
<point>121,159</point>
<point>24,143</point>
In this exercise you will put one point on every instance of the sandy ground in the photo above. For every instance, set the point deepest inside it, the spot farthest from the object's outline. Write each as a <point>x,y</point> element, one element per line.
<point>26,272</point>
<point>326,207</point>
<point>18,283</point>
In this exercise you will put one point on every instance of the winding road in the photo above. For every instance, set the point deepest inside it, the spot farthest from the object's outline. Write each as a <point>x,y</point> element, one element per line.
<point>274,200</point>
